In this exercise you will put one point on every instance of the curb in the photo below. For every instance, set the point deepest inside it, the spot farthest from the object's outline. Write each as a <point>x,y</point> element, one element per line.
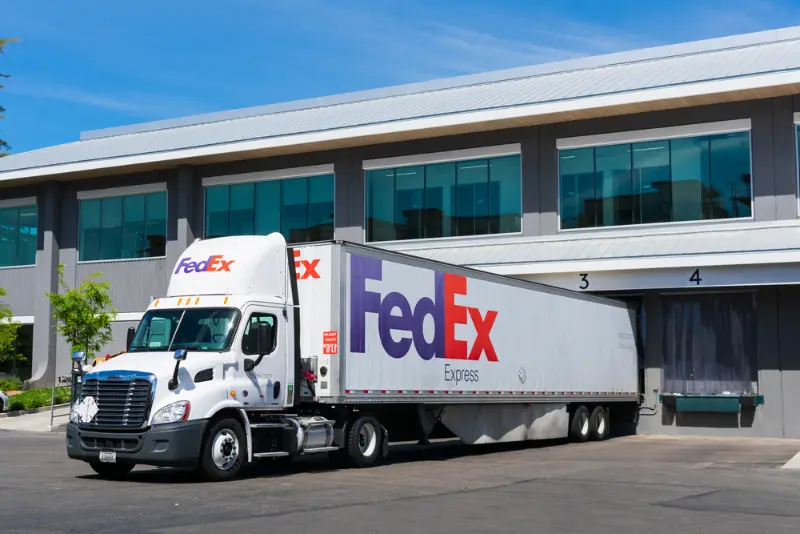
<point>30,412</point>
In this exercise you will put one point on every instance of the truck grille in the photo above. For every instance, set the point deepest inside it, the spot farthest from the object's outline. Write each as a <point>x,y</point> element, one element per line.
<point>122,402</point>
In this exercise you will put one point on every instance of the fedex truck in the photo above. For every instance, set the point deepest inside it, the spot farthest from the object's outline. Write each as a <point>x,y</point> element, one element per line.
<point>259,350</point>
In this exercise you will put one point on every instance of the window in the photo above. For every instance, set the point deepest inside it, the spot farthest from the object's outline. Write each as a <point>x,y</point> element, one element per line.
<point>18,230</point>
<point>684,179</point>
<point>257,320</point>
<point>198,329</point>
<point>300,208</point>
<point>123,227</point>
<point>709,344</point>
<point>466,198</point>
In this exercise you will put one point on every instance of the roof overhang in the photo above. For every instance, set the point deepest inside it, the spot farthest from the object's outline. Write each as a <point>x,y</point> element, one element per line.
<point>687,261</point>
<point>664,98</point>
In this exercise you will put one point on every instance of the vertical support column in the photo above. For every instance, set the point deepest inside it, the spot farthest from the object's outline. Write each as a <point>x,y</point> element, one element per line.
<point>767,420</point>
<point>763,161</point>
<point>349,199</point>
<point>652,420</point>
<point>531,223</point>
<point>785,159</point>
<point>548,180</point>
<point>44,367</point>
<point>183,196</point>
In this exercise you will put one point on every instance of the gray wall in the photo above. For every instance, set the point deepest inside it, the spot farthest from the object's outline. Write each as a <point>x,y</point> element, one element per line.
<point>19,284</point>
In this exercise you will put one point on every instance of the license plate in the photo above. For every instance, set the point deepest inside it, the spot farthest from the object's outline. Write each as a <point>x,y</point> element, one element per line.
<point>108,457</point>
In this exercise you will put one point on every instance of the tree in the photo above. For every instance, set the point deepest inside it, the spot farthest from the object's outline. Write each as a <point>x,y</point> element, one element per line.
<point>83,315</point>
<point>3,145</point>
<point>9,328</point>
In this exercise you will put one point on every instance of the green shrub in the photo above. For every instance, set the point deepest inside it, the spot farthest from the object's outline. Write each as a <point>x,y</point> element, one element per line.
<point>10,384</point>
<point>37,398</point>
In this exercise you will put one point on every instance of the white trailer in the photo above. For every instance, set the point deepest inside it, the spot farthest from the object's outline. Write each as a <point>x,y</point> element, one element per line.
<point>340,348</point>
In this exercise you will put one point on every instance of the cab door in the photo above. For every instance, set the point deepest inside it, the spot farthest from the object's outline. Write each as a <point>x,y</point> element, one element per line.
<point>267,381</point>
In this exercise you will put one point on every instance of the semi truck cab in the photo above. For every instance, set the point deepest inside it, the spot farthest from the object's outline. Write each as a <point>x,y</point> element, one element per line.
<point>210,364</point>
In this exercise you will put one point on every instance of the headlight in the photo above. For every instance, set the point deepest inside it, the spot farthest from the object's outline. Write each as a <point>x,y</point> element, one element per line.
<point>172,413</point>
<point>73,414</point>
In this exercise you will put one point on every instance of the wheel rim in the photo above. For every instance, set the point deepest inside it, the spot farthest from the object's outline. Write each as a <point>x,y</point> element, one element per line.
<point>584,420</point>
<point>601,424</point>
<point>225,449</point>
<point>367,439</point>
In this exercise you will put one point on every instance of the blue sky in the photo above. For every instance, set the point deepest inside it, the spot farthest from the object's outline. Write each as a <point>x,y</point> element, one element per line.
<point>87,64</point>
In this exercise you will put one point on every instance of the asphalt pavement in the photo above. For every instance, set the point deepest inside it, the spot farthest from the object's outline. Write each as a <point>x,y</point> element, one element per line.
<point>634,484</point>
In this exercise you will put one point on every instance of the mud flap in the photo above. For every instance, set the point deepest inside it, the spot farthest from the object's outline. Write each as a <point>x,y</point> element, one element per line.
<point>384,442</point>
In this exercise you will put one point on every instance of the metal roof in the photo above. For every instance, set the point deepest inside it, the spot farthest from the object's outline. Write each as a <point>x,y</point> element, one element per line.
<point>740,243</point>
<point>616,74</point>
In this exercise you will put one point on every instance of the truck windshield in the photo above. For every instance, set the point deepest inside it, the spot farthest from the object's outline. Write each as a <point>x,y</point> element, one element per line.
<point>203,329</point>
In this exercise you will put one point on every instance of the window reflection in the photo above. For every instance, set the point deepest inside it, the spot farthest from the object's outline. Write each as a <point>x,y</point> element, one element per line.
<point>689,179</point>
<point>466,198</point>
<point>123,227</point>
<point>300,208</point>
<point>18,231</point>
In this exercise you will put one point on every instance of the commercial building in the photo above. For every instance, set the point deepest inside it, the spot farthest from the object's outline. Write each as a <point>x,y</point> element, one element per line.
<point>666,177</point>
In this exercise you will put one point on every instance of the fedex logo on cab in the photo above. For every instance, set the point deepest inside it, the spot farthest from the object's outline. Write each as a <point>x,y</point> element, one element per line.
<point>214,263</point>
<point>442,308</point>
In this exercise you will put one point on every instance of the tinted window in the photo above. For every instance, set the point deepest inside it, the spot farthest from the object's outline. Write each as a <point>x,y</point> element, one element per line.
<point>688,179</point>
<point>18,231</point>
<point>300,208</point>
<point>466,198</point>
<point>124,227</point>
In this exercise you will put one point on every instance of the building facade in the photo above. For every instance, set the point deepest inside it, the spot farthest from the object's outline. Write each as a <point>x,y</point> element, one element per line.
<point>665,177</point>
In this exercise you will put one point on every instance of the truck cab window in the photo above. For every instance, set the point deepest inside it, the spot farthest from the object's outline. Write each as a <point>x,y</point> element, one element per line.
<point>257,320</point>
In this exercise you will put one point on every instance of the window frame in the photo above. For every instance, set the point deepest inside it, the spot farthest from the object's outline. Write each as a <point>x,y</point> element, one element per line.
<point>18,203</point>
<point>432,158</point>
<point>246,325</point>
<point>122,192</point>
<point>312,171</point>
<point>648,135</point>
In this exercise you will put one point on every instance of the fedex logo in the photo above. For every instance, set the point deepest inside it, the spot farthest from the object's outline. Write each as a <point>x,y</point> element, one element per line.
<point>212,264</point>
<point>309,267</point>
<point>442,308</point>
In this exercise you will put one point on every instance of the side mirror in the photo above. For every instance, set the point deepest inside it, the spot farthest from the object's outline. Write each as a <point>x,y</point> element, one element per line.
<point>129,342</point>
<point>265,337</point>
<point>180,355</point>
<point>78,356</point>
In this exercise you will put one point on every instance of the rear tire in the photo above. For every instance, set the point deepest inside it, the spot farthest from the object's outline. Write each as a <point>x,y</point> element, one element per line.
<point>599,423</point>
<point>112,471</point>
<point>579,426</point>
<point>224,450</point>
<point>365,442</point>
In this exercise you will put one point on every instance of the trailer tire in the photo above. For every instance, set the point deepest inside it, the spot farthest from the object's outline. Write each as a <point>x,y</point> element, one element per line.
<point>224,452</point>
<point>112,471</point>
<point>580,424</point>
<point>365,442</point>
<point>599,423</point>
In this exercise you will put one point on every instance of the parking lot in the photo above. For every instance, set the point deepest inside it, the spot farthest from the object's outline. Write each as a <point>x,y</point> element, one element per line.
<point>634,484</point>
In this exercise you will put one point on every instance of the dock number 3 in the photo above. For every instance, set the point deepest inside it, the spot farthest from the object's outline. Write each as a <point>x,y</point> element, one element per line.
<point>584,281</point>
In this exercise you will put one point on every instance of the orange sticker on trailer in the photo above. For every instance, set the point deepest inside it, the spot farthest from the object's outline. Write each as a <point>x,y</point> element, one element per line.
<point>330,342</point>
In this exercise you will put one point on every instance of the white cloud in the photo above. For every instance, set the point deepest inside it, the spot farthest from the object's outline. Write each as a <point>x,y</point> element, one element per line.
<point>139,105</point>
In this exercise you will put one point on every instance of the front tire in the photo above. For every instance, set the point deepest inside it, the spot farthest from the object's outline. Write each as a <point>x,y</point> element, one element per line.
<point>112,471</point>
<point>224,450</point>
<point>365,442</point>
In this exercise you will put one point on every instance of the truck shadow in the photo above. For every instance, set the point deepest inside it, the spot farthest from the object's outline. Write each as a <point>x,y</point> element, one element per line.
<point>400,453</point>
